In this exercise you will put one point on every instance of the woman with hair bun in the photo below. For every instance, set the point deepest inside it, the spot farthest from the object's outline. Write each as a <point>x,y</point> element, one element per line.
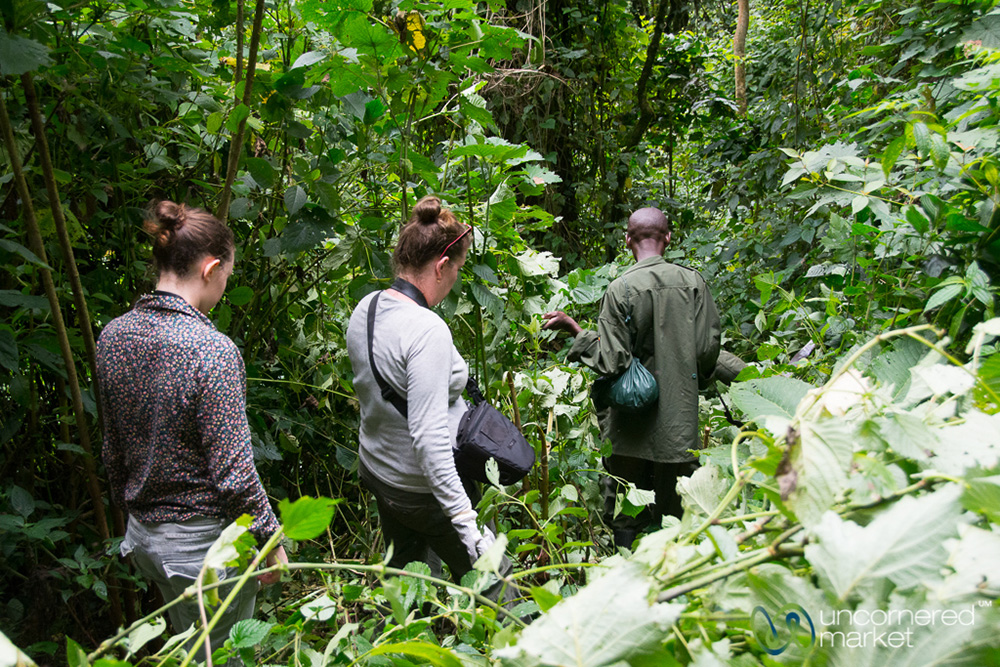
<point>176,438</point>
<point>405,451</point>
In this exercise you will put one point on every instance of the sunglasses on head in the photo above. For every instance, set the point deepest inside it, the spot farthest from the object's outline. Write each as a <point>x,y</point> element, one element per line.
<point>468,228</point>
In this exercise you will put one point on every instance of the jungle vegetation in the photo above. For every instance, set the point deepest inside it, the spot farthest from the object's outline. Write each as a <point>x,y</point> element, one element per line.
<point>830,167</point>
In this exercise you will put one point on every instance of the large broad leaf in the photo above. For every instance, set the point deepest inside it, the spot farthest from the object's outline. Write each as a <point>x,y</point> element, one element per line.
<point>12,246</point>
<point>608,621</point>
<point>19,54</point>
<point>223,551</point>
<point>538,263</point>
<point>982,495</point>
<point>818,465</point>
<point>144,634</point>
<point>14,299</point>
<point>974,559</point>
<point>904,544</point>
<point>431,653</point>
<point>8,350</point>
<point>702,491</point>
<point>249,633</point>
<point>307,517</point>
<point>986,30</point>
<point>974,443</point>
<point>892,368</point>
<point>771,401</point>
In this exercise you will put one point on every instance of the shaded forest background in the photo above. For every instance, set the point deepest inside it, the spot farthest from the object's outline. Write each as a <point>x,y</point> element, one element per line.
<point>849,186</point>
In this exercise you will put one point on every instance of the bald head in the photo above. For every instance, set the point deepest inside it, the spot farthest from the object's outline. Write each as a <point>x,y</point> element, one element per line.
<point>648,223</point>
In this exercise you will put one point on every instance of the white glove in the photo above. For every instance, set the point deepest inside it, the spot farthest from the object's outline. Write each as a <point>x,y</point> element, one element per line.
<point>476,541</point>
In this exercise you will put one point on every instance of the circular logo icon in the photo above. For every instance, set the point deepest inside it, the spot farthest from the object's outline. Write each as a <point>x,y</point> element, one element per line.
<point>794,624</point>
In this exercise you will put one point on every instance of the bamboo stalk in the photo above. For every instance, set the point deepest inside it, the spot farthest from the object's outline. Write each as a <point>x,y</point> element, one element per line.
<point>38,247</point>
<point>236,146</point>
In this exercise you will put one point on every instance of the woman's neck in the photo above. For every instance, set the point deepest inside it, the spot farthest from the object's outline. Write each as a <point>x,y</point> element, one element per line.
<point>423,281</point>
<point>185,288</point>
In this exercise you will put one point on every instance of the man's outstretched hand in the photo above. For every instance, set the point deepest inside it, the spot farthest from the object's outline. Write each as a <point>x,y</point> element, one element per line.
<point>560,321</point>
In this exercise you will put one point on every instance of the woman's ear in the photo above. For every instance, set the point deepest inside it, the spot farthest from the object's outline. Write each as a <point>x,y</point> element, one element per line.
<point>439,267</point>
<point>209,267</point>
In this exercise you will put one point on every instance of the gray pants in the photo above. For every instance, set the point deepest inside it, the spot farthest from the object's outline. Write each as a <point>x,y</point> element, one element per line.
<point>171,555</point>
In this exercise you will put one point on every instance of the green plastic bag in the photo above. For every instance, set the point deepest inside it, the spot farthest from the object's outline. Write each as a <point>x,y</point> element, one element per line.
<point>635,390</point>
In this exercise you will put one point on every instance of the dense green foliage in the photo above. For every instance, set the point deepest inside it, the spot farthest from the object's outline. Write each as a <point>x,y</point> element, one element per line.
<point>849,226</point>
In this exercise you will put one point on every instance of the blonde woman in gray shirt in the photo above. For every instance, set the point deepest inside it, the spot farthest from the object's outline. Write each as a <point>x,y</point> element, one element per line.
<point>409,379</point>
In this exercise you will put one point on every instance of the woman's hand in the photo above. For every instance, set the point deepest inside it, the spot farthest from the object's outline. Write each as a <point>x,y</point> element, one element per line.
<point>276,556</point>
<point>476,541</point>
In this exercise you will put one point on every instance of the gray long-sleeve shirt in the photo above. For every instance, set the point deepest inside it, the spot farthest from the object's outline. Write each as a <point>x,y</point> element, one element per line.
<point>414,352</point>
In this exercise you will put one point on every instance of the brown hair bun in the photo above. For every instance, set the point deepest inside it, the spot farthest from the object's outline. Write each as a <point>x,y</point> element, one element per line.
<point>183,234</point>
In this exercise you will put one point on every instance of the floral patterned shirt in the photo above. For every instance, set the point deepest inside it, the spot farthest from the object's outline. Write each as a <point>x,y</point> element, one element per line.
<point>176,437</point>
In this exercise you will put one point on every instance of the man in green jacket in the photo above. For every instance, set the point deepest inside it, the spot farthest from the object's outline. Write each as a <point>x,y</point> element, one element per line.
<point>665,315</point>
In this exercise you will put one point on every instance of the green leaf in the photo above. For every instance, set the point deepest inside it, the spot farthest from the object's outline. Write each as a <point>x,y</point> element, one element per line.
<point>607,622</point>
<point>985,29</point>
<point>435,655</point>
<point>771,401</point>
<point>295,199</point>
<point>974,562</point>
<point>545,598</point>
<point>921,137</point>
<point>307,59</point>
<point>321,609</point>
<point>223,551</point>
<point>307,517</point>
<point>904,544</point>
<point>982,495</point>
<point>943,296</point>
<point>19,55</point>
<point>891,154</point>
<point>14,299</point>
<point>858,204</point>
<point>261,171</point>
<point>144,634</point>
<point>21,501</point>
<point>989,373</point>
<point>940,152</point>
<point>819,461</point>
<point>249,633</point>
<point>702,491</point>
<point>238,115</point>
<point>240,296</point>
<point>8,350</point>
<point>17,248</point>
<point>534,263</point>
<point>75,656</point>
<point>214,122</point>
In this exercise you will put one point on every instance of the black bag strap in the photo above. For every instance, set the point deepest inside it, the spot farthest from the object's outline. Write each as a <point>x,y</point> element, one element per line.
<point>628,319</point>
<point>472,388</point>
<point>407,288</point>
<point>388,393</point>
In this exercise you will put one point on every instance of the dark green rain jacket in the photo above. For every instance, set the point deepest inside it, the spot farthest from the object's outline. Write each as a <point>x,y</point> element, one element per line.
<point>674,329</point>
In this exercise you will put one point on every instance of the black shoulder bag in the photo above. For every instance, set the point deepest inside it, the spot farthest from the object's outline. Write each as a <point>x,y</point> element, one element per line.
<point>484,431</point>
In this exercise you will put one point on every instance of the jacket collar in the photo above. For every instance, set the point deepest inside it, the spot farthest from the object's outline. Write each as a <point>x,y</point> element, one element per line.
<point>649,261</point>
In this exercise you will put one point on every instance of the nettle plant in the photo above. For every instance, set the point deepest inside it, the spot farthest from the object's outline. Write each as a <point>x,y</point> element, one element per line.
<point>850,523</point>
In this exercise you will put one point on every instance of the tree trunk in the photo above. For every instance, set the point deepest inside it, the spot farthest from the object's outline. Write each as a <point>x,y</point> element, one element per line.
<point>740,52</point>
